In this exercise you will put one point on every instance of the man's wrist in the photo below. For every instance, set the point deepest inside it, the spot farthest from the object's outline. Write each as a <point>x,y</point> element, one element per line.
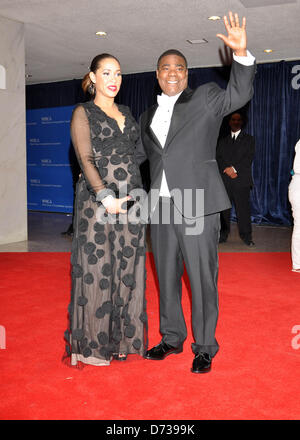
<point>247,60</point>
<point>241,53</point>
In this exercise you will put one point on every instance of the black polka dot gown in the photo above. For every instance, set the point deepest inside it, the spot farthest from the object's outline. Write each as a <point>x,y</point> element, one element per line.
<point>107,312</point>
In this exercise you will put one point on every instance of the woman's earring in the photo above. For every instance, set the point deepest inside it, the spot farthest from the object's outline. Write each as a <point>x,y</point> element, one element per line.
<point>92,88</point>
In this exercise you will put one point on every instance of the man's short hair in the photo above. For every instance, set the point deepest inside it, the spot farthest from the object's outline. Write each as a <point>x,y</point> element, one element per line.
<point>242,114</point>
<point>172,52</point>
<point>237,113</point>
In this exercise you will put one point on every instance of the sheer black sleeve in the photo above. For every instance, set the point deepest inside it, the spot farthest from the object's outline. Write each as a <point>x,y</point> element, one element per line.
<point>81,139</point>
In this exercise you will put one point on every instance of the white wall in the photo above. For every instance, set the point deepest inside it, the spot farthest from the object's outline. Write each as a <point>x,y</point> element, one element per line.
<point>13,192</point>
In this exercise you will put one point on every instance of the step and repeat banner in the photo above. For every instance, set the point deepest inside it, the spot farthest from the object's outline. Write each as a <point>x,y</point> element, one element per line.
<point>50,158</point>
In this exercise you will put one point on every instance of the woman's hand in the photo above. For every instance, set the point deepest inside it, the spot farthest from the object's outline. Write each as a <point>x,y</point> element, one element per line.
<point>114,206</point>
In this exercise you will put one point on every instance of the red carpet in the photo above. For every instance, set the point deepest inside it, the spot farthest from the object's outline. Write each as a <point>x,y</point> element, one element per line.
<point>255,375</point>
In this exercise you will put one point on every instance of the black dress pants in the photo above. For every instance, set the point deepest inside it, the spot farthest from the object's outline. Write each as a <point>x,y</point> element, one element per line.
<point>240,197</point>
<point>172,247</point>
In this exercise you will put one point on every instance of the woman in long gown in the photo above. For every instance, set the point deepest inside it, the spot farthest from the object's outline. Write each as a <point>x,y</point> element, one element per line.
<point>107,310</point>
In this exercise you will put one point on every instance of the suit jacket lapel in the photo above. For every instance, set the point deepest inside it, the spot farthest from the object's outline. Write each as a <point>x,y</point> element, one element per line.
<point>148,128</point>
<point>240,136</point>
<point>177,120</point>
<point>236,149</point>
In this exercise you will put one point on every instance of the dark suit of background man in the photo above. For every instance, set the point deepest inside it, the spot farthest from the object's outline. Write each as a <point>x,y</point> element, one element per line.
<point>235,156</point>
<point>179,137</point>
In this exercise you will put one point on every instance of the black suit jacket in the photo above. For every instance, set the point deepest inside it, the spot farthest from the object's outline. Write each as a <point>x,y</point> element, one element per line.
<point>240,155</point>
<point>189,154</point>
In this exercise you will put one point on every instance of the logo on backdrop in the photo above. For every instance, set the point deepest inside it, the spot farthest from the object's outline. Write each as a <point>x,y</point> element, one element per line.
<point>49,157</point>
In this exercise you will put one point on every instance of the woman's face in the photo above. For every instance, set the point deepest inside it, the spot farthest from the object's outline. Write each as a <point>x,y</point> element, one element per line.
<point>107,78</point>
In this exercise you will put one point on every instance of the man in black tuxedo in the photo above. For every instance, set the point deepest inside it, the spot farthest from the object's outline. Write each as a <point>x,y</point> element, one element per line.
<point>179,137</point>
<point>235,155</point>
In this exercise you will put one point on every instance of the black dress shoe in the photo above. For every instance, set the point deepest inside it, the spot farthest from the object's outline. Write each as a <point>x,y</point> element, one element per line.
<point>201,363</point>
<point>69,231</point>
<point>162,350</point>
<point>249,242</point>
<point>120,356</point>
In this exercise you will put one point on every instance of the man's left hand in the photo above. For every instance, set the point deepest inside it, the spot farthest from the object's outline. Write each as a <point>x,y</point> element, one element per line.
<point>237,37</point>
<point>230,172</point>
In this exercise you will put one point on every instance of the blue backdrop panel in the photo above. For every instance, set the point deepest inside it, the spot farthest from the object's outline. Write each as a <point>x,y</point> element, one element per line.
<point>49,148</point>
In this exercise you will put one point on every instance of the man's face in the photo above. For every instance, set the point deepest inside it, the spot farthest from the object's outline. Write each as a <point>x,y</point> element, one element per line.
<point>172,74</point>
<point>235,122</point>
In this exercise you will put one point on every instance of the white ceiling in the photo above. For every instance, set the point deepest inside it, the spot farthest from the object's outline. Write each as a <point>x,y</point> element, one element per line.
<point>60,38</point>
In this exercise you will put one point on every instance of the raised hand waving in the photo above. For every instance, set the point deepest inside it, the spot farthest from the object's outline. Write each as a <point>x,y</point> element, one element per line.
<point>237,37</point>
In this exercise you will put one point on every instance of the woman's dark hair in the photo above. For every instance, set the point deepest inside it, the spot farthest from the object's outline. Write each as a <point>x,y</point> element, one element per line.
<point>87,84</point>
<point>172,52</point>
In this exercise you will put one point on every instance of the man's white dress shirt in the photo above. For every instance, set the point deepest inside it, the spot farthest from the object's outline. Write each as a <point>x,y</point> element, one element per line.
<point>160,125</point>
<point>235,134</point>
